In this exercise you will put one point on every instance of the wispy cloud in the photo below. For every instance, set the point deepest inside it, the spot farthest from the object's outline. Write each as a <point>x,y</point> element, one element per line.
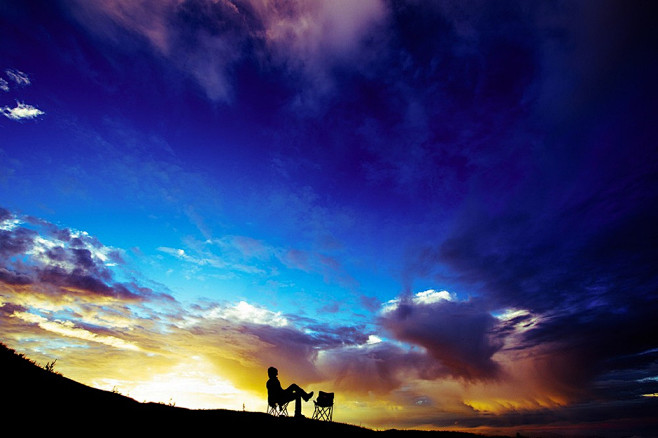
<point>208,39</point>
<point>18,77</point>
<point>68,329</point>
<point>21,111</point>
<point>211,260</point>
<point>311,39</point>
<point>245,255</point>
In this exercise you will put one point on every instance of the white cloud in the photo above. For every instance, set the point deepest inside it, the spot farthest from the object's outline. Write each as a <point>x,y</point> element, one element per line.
<point>4,85</point>
<point>241,312</point>
<point>179,253</point>
<point>41,248</point>
<point>208,259</point>
<point>374,339</point>
<point>429,296</point>
<point>18,76</point>
<point>68,328</point>
<point>21,111</point>
<point>246,312</point>
<point>520,319</point>
<point>9,224</point>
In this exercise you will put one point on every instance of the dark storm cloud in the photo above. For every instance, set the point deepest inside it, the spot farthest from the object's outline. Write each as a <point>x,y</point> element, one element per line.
<point>293,345</point>
<point>77,280</point>
<point>574,240</point>
<point>14,278</point>
<point>378,368</point>
<point>459,78</point>
<point>458,335</point>
<point>612,419</point>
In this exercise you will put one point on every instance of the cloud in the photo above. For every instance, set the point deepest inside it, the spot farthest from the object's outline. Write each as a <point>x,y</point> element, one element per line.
<point>150,170</point>
<point>242,340</point>
<point>21,111</point>
<point>59,261</point>
<point>193,36</point>
<point>558,226</point>
<point>309,32</point>
<point>18,77</point>
<point>431,350</point>
<point>459,335</point>
<point>583,275</point>
<point>60,285</point>
<point>376,368</point>
<point>312,39</point>
<point>239,255</point>
<point>566,232</point>
<point>312,261</point>
<point>571,242</point>
<point>204,257</point>
<point>68,329</point>
<point>429,296</point>
<point>207,40</point>
<point>243,312</point>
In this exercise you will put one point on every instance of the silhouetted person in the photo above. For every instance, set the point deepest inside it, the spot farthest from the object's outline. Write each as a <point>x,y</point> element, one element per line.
<point>276,394</point>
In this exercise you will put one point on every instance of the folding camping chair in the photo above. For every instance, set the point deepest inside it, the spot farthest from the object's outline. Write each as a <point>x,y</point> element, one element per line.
<point>324,406</point>
<point>278,409</point>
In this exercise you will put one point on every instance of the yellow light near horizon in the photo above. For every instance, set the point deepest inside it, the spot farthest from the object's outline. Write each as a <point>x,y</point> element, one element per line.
<point>192,384</point>
<point>500,405</point>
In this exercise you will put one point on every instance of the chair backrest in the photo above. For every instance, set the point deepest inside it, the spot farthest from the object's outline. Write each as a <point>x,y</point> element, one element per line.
<point>325,399</point>
<point>271,400</point>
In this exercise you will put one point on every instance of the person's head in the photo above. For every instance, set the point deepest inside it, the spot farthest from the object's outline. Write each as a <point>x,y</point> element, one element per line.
<point>272,372</point>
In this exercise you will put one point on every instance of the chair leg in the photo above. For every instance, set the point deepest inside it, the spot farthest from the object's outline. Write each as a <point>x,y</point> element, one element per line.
<point>323,413</point>
<point>278,410</point>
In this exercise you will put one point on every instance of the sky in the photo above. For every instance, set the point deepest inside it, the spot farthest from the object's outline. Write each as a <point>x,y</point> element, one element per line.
<point>443,211</point>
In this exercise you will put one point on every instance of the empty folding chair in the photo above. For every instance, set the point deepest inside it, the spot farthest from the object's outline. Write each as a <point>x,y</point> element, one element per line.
<point>324,406</point>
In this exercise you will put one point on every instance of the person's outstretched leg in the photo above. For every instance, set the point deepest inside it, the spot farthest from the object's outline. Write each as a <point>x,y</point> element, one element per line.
<point>295,389</point>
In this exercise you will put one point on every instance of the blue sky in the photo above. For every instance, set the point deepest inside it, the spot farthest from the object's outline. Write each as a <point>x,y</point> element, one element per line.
<point>443,211</point>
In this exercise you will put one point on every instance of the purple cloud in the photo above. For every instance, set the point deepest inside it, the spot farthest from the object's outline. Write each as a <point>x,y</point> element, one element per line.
<point>37,253</point>
<point>207,40</point>
<point>458,335</point>
<point>378,368</point>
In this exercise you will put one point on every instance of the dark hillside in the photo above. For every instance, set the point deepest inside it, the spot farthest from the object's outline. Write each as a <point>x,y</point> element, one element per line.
<point>38,400</point>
